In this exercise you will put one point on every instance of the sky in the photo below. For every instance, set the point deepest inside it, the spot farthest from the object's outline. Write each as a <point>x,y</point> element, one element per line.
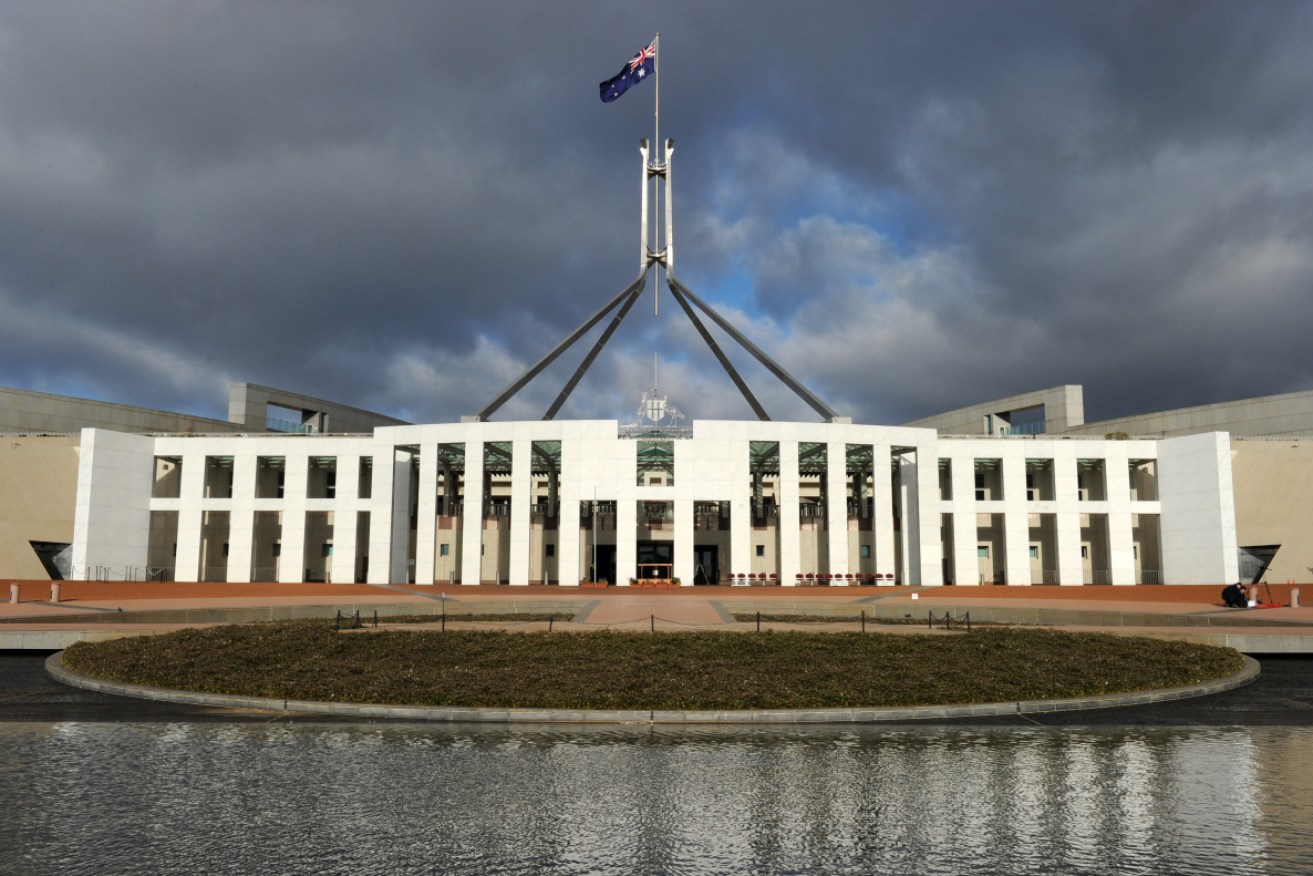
<point>911,206</point>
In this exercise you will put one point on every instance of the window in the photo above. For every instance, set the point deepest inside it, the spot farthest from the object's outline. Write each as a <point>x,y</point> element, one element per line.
<point>865,552</point>
<point>549,550</point>
<point>278,549</point>
<point>982,551</point>
<point>444,549</point>
<point>1034,552</point>
<point>225,548</point>
<point>326,550</point>
<point>761,550</point>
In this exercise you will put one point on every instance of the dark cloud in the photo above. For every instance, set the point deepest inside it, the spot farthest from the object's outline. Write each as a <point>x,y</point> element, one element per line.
<point>403,205</point>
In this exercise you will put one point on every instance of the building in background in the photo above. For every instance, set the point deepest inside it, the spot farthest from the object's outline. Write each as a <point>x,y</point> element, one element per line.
<point>1013,492</point>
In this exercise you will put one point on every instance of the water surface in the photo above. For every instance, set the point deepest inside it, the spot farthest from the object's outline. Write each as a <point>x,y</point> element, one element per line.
<point>245,798</point>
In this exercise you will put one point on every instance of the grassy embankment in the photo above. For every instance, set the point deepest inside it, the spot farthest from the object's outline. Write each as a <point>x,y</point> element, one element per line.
<point>309,660</point>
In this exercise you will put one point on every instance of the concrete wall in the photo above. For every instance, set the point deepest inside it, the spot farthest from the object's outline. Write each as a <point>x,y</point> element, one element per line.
<point>38,487</point>
<point>248,405</point>
<point>23,411</point>
<point>1198,510</point>
<point>111,523</point>
<point>1273,483</point>
<point>1064,408</point>
<point>1288,414</point>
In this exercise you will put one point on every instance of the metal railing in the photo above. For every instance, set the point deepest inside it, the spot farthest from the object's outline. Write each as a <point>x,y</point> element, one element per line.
<point>948,620</point>
<point>120,573</point>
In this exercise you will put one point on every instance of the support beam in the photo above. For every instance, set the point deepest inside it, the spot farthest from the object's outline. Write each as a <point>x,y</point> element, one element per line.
<point>720,355</point>
<point>787,379</point>
<point>593,353</point>
<point>631,290</point>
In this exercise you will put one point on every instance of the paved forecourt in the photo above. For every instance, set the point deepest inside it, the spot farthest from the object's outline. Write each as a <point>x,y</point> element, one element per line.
<point>98,610</point>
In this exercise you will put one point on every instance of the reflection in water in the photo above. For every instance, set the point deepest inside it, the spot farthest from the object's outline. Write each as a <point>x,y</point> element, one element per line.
<point>304,798</point>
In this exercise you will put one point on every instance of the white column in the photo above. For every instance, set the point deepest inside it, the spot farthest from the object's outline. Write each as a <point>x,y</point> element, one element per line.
<point>732,482</point>
<point>399,513</point>
<point>521,516</point>
<point>382,519</point>
<point>789,524</point>
<point>1066,485</point>
<point>191,519</point>
<point>342,568</point>
<point>241,520</point>
<point>966,559</point>
<point>684,536</point>
<point>1016,521</point>
<point>295,479</point>
<point>426,514</point>
<point>882,487</point>
<point>626,529</point>
<point>471,558</point>
<point>569,495</point>
<point>926,566</point>
<point>1121,540</point>
<point>836,505</point>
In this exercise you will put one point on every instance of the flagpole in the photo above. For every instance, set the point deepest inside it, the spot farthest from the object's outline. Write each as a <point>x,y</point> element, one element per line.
<point>659,156</point>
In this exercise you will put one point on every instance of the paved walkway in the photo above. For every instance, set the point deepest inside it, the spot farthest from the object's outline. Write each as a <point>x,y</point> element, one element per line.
<point>109,609</point>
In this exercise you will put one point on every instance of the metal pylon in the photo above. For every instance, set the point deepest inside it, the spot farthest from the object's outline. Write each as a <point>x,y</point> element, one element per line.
<point>657,251</point>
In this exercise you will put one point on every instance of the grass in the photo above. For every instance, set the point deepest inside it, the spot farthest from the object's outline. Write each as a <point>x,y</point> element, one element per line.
<point>308,660</point>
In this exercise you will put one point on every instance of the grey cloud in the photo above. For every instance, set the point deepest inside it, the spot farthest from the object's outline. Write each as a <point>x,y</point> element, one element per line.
<point>912,206</point>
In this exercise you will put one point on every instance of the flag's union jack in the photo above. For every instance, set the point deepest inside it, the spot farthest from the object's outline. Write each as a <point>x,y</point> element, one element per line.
<point>639,68</point>
<point>643,56</point>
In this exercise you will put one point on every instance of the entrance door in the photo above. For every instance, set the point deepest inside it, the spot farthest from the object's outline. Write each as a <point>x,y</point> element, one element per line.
<point>706,566</point>
<point>655,558</point>
<point>605,563</point>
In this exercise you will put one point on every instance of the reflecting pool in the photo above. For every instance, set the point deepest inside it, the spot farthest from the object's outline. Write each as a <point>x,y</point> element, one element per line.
<point>247,798</point>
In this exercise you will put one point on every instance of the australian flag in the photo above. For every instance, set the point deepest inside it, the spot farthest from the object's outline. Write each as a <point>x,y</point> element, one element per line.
<point>642,66</point>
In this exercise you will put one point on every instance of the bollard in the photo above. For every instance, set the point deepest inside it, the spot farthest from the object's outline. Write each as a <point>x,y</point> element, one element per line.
<point>13,593</point>
<point>54,592</point>
<point>1294,597</point>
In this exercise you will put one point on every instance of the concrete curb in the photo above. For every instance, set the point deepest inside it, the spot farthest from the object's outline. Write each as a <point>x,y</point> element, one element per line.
<point>362,711</point>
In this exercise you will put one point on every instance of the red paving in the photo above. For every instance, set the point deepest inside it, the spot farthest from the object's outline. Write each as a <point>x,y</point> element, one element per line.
<point>97,591</point>
<point>625,607</point>
<point>1205,594</point>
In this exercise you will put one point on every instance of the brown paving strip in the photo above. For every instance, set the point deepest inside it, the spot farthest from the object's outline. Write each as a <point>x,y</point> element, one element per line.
<point>646,606</point>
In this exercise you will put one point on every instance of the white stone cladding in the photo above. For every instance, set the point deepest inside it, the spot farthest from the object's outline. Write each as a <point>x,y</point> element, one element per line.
<point>1164,512</point>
